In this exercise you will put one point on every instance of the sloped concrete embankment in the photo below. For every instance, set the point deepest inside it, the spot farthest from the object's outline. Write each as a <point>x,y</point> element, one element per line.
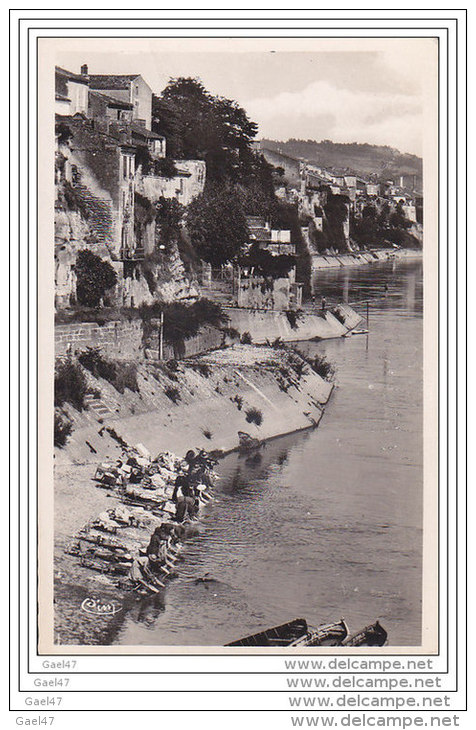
<point>362,258</point>
<point>267,326</point>
<point>203,403</point>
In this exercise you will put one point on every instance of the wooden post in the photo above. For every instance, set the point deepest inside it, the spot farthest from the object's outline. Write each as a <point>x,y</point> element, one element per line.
<point>367,314</point>
<point>161,337</point>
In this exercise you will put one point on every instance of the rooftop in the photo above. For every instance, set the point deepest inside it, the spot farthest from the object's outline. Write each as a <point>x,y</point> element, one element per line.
<point>111,81</point>
<point>69,76</point>
<point>111,101</point>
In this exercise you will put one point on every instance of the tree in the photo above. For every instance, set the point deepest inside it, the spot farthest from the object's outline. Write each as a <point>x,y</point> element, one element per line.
<point>205,127</point>
<point>217,225</point>
<point>94,277</point>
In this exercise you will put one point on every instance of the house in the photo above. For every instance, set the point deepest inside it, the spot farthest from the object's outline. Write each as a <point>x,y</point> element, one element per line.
<point>98,171</point>
<point>71,93</point>
<point>102,106</point>
<point>131,88</point>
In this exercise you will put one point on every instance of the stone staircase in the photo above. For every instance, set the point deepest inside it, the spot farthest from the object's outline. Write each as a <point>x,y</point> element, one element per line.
<point>97,406</point>
<point>220,292</point>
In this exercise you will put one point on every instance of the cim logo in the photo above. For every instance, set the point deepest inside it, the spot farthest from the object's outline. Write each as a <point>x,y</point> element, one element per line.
<point>97,607</point>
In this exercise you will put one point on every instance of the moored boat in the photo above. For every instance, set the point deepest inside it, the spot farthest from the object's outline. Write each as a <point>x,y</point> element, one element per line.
<point>373,635</point>
<point>296,633</point>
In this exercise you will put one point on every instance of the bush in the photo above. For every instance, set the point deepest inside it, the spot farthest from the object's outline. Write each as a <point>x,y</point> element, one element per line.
<point>201,367</point>
<point>246,339</point>
<point>322,367</point>
<point>94,277</point>
<point>126,377</point>
<point>182,321</point>
<point>254,415</point>
<point>121,375</point>
<point>62,429</point>
<point>239,401</point>
<point>70,384</point>
<point>173,394</point>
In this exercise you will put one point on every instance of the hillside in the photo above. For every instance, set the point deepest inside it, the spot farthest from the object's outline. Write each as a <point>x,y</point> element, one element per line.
<point>364,159</point>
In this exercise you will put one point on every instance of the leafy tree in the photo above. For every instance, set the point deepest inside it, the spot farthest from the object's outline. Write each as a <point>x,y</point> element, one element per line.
<point>267,264</point>
<point>217,225</point>
<point>205,127</point>
<point>94,277</point>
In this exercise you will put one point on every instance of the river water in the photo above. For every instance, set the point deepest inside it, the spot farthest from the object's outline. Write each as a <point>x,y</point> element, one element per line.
<point>325,523</point>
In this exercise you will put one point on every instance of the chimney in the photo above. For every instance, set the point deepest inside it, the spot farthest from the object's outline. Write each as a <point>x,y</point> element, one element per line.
<point>84,70</point>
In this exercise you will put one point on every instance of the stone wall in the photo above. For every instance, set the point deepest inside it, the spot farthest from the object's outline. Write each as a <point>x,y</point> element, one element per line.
<point>122,340</point>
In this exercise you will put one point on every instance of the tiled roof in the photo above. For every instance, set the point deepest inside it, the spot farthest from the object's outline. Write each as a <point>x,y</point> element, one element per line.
<point>69,76</point>
<point>118,103</point>
<point>111,81</point>
<point>140,130</point>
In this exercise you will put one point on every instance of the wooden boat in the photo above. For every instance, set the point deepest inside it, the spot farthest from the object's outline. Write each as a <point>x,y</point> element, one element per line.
<point>326,635</point>
<point>373,635</point>
<point>296,633</point>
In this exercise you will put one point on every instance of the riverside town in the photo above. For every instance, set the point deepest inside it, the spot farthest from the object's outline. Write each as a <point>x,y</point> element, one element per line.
<point>238,376</point>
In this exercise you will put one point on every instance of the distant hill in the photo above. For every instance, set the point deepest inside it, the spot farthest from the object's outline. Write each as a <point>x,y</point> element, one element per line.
<point>364,159</point>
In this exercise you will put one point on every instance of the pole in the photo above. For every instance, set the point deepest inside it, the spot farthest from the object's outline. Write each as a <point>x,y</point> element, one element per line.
<point>161,337</point>
<point>367,314</point>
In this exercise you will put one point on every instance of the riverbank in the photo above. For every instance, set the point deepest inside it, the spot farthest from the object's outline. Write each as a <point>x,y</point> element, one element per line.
<point>362,258</point>
<point>267,326</point>
<point>199,403</point>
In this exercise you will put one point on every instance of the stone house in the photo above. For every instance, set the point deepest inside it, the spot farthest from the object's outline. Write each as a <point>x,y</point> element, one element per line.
<point>131,88</point>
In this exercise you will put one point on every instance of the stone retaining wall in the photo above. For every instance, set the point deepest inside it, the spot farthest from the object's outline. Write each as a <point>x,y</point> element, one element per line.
<point>122,340</point>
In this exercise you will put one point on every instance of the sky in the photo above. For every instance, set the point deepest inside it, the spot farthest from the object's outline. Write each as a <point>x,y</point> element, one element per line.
<point>369,92</point>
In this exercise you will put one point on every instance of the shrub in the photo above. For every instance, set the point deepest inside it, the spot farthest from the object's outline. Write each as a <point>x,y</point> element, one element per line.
<point>246,339</point>
<point>322,367</point>
<point>121,375</point>
<point>94,277</point>
<point>126,377</point>
<point>62,429</point>
<point>70,384</point>
<point>202,368</point>
<point>207,433</point>
<point>231,332</point>
<point>239,401</point>
<point>338,315</point>
<point>173,394</point>
<point>293,317</point>
<point>97,365</point>
<point>254,415</point>
<point>182,321</point>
